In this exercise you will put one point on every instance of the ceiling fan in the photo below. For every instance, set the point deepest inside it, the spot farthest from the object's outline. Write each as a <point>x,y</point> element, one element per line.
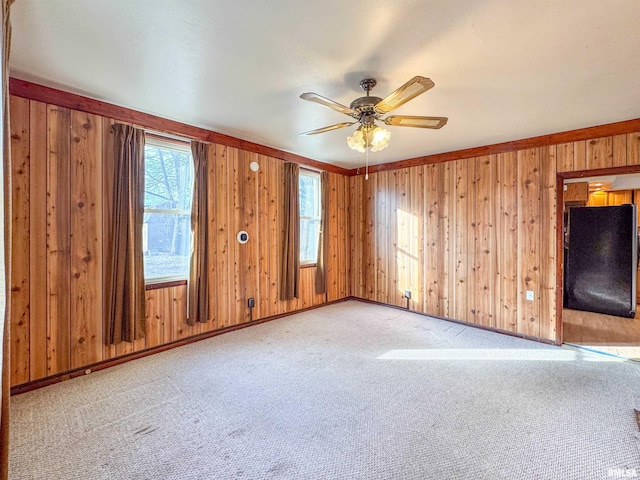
<point>368,110</point>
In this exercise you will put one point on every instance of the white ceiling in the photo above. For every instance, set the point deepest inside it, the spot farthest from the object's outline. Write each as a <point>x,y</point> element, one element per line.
<point>503,69</point>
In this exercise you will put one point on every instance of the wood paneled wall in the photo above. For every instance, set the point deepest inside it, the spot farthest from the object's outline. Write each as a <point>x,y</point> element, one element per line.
<point>469,237</point>
<point>61,171</point>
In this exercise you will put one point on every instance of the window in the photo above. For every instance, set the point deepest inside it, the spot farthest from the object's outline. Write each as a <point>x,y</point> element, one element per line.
<point>166,230</point>
<point>309,216</point>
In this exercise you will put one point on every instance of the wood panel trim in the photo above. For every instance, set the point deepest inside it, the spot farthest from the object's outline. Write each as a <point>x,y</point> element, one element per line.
<point>159,285</point>
<point>609,129</point>
<point>460,322</point>
<point>87,369</point>
<point>559,255</point>
<point>40,93</point>
<point>600,172</point>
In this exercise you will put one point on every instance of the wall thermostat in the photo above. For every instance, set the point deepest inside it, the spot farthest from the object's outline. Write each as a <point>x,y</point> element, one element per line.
<point>243,237</point>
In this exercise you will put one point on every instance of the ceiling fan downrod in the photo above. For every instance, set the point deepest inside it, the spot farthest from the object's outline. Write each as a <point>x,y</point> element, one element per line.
<point>367,84</point>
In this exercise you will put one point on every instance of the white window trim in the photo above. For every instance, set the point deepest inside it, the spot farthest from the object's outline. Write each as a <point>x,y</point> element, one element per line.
<point>312,173</point>
<point>181,146</point>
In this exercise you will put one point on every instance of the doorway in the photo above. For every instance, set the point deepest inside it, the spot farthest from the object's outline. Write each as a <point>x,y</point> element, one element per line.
<point>597,331</point>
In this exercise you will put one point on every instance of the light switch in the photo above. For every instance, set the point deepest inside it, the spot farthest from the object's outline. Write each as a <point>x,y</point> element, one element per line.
<point>530,296</point>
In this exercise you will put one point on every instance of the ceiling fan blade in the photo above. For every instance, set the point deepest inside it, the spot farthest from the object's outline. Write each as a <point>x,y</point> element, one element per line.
<point>420,122</point>
<point>328,129</point>
<point>406,92</point>
<point>314,97</point>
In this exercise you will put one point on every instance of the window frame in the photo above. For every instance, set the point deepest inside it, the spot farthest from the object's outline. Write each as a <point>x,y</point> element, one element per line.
<point>181,146</point>
<point>311,173</point>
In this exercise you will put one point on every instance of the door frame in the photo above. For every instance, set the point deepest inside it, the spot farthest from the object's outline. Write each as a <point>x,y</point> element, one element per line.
<point>560,178</point>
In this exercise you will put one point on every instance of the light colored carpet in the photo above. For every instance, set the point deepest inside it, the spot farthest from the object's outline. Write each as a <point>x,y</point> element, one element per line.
<point>348,391</point>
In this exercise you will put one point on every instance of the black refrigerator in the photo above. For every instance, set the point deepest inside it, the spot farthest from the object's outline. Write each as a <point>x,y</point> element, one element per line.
<point>601,260</point>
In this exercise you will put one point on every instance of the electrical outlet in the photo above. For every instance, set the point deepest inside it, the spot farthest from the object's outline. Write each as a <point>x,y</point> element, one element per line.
<point>407,294</point>
<point>251,302</point>
<point>530,296</point>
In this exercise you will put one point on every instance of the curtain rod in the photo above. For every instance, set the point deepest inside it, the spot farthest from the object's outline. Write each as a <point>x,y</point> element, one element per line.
<point>167,136</point>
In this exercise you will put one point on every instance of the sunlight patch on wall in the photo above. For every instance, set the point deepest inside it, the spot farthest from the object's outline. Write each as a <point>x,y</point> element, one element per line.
<point>408,254</point>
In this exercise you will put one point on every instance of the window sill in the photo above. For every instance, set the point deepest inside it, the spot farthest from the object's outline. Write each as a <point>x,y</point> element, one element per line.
<point>307,265</point>
<point>159,285</point>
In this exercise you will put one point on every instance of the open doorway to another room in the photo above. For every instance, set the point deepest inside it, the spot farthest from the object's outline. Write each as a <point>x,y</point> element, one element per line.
<point>585,321</point>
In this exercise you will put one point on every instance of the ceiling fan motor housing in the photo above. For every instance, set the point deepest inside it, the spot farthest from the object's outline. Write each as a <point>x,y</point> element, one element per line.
<point>364,106</point>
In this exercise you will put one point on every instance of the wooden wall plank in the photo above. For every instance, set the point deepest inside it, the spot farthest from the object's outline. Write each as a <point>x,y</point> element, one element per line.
<point>382,235</point>
<point>37,240</point>
<point>19,293</point>
<point>360,220</point>
<point>275,174</point>
<point>154,319</point>
<point>124,348</point>
<point>599,153</point>
<point>343,217</point>
<point>58,239</point>
<point>335,200</point>
<point>248,260</point>
<point>86,239</point>
<point>580,155</point>
<point>484,243</point>
<point>178,298</point>
<point>416,183</point>
<point>452,195</point>
<point>355,246</point>
<point>263,239</point>
<point>165,296</point>
<point>461,229</point>
<point>402,234</point>
<point>223,250</point>
<point>395,294</point>
<point>212,243</point>
<point>547,232</point>
<point>444,232</point>
<point>498,222</point>
<point>633,148</point>
<point>564,153</point>
<point>509,237</point>
<point>337,255</point>
<point>369,247</point>
<point>619,150</point>
<point>529,241</point>
<point>471,241</point>
<point>236,217</point>
<point>431,222</point>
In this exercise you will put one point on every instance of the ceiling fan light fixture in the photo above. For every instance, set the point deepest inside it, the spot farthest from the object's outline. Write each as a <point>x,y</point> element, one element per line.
<point>379,139</point>
<point>368,110</point>
<point>374,138</point>
<point>356,141</point>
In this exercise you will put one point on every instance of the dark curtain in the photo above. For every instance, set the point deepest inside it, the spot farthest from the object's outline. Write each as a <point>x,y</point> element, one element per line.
<point>6,270</point>
<point>124,269</point>
<point>198,299</point>
<point>323,241</point>
<point>291,238</point>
